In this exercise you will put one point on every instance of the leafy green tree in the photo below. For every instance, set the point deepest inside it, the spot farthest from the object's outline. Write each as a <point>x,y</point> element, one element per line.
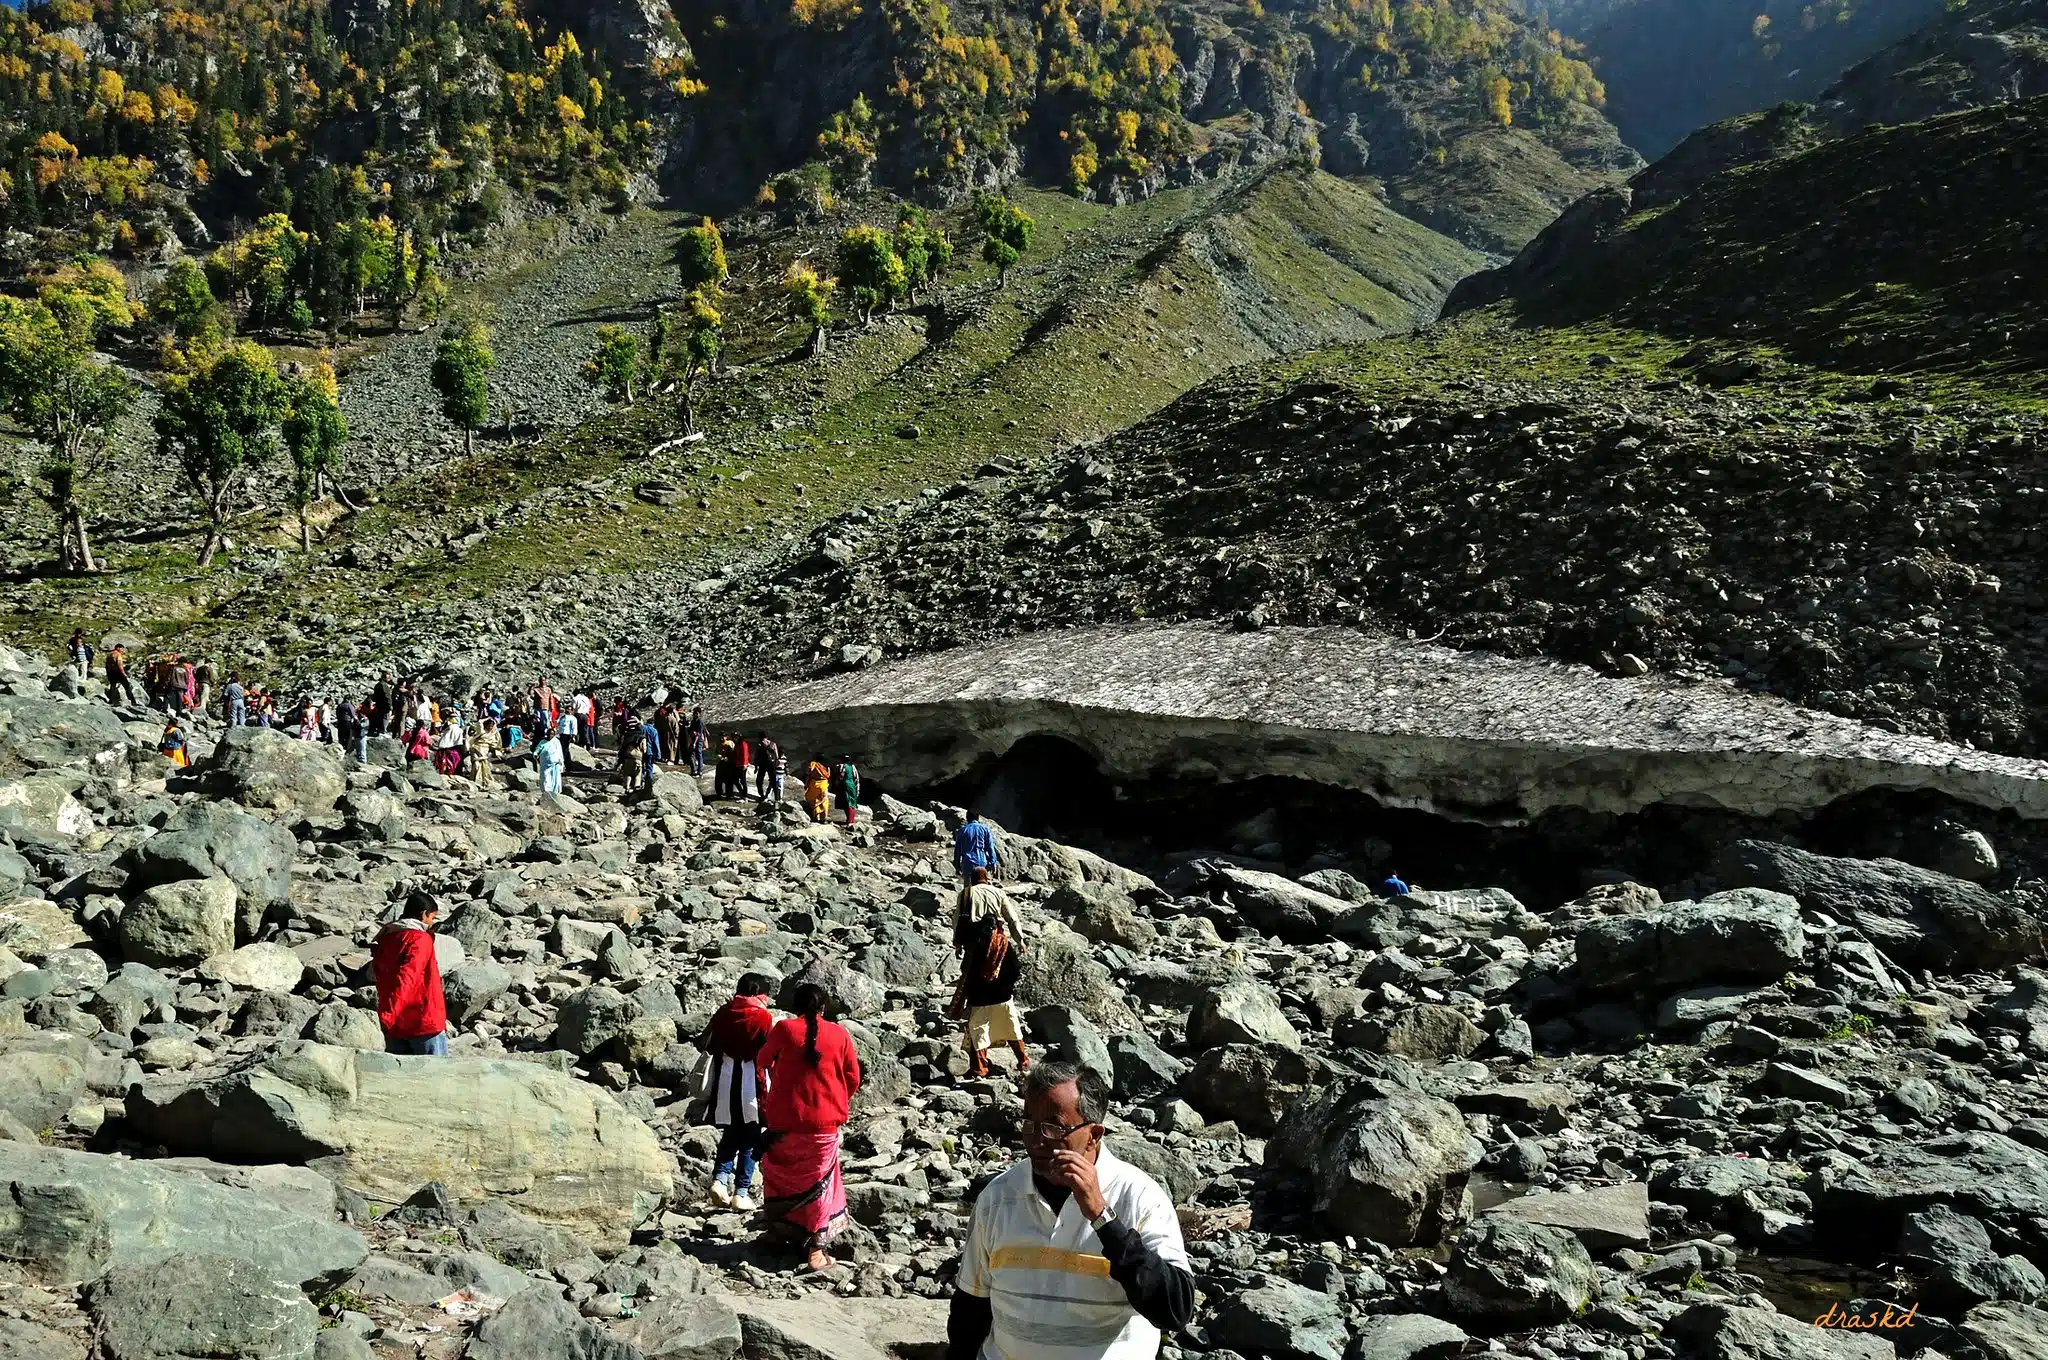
<point>807,297</point>
<point>462,372</point>
<point>218,421</point>
<point>870,269</point>
<point>184,302</point>
<point>616,364</point>
<point>700,257</point>
<point>69,400</point>
<point>703,341</point>
<point>1005,233</point>
<point>314,430</point>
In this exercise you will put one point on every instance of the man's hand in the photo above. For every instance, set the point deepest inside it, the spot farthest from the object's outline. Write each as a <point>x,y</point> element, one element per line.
<point>1077,1173</point>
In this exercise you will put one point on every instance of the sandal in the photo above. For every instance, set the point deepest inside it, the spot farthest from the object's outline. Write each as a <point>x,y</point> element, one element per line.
<point>819,1261</point>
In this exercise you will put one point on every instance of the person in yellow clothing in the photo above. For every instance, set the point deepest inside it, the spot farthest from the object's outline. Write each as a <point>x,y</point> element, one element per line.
<point>818,791</point>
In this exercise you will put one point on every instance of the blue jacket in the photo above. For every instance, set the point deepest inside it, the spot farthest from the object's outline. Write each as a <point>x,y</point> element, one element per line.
<point>974,847</point>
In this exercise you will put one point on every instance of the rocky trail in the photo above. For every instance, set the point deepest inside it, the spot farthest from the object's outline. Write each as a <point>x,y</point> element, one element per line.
<point>1633,1124</point>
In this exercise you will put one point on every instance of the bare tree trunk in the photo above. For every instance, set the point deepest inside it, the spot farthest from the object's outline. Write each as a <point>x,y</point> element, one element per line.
<point>210,545</point>
<point>74,515</point>
<point>817,346</point>
<point>468,442</point>
<point>305,532</point>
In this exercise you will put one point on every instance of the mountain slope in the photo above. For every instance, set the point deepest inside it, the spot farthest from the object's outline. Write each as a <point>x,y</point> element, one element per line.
<point>1898,248</point>
<point>1671,66</point>
<point>1113,313</point>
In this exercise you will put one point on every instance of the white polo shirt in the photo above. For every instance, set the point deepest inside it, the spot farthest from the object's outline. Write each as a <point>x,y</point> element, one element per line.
<point>1045,1277</point>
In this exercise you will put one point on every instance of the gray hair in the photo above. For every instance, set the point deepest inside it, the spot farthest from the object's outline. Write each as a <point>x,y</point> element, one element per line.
<point>1091,1092</point>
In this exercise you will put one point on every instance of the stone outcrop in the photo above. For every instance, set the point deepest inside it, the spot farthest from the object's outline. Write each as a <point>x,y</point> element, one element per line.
<point>1414,726</point>
<point>561,1150</point>
<point>71,1216</point>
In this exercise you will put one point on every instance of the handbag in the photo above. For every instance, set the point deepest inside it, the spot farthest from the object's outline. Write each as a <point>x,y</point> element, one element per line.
<point>698,1108</point>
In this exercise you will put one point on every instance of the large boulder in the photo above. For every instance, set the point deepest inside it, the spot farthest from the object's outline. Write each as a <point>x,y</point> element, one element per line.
<point>42,1075</point>
<point>1988,1176</point>
<point>176,924</point>
<point>849,993</point>
<point>592,1017</point>
<point>45,733</point>
<point>35,929</point>
<point>218,1307</point>
<point>469,991</point>
<point>219,840</point>
<point>538,1324</point>
<point>562,1150</point>
<point>261,767</point>
<point>1922,918</point>
<point>677,792</point>
<point>41,810</point>
<point>686,1327</point>
<point>1509,1276</point>
<point>1060,970</point>
<point>1384,1161</point>
<point>76,1214</point>
<point>256,967</point>
<point>1274,905</point>
<point>1727,1331</point>
<point>1731,936</point>
<point>1282,1320</point>
<point>1425,1033</point>
<point>1252,1084</point>
<point>1239,1011</point>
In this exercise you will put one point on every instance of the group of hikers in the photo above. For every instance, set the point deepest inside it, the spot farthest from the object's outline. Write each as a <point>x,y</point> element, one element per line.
<point>1072,1251</point>
<point>474,737</point>
<point>1072,1254</point>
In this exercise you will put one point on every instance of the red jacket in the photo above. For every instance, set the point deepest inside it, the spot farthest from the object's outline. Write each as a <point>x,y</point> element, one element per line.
<point>740,1027</point>
<point>801,1095</point>
<point>409,1003</point>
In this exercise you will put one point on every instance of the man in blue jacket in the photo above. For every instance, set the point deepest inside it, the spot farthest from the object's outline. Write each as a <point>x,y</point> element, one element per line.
<point>974,847</point>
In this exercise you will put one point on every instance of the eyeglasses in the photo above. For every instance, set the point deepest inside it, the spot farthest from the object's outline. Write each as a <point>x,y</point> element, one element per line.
<point>1046,1131</point>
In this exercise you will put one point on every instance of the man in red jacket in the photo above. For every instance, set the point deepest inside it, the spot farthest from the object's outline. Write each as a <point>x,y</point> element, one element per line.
<point>409,1002</point>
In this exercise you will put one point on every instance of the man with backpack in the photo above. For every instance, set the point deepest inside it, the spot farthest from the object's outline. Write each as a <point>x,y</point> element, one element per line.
<point>988,983</point>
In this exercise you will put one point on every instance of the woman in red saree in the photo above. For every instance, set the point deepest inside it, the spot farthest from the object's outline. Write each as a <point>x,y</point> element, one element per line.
<point>812,1073</point>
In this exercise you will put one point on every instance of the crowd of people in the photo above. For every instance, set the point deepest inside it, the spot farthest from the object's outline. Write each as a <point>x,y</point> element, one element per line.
<point>1072,1252</point>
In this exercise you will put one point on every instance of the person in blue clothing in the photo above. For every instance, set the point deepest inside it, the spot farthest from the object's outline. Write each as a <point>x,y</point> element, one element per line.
<point>650,740</point>
<point>974,847</point>
<point>1394,886</point>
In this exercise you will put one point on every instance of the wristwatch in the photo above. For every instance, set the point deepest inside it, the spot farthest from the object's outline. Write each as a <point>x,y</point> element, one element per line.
<point>1108,1215</point>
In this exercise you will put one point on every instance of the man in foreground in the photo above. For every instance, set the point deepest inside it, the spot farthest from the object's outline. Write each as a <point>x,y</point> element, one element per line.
<point>1074,1255</point>
<point>410,1006</point>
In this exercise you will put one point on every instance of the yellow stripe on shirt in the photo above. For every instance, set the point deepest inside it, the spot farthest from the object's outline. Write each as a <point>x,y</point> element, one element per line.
<point>1049,1258</point>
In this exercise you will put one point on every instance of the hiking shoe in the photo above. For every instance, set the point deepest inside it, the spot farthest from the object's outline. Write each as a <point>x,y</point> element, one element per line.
<point>721,1190</point>
<point>744,1202</point>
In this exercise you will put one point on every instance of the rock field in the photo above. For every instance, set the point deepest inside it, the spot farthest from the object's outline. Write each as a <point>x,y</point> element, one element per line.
<point>1410,1129</point>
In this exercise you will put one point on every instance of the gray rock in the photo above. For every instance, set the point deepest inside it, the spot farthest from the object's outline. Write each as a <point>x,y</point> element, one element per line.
<point>470,990</point>
<point>261,767</point>
<point>176,924</point>
<point>899,958</point>
<point>208,840</point>
<point>1275,905</point>
<point>1712,1186</point>
<point>589,1019</point>
<point>1726,1331</point>
<point>820,1327</point>
<point>1917,916</point>
<point>1240,1011</point>
<point>42,1076</point>
<point>1385,1163</point>
<point>218,1307</point>
<point>1408,1336</point>
<point>1508,1276</point>
<point>519,1241</point>
<point>342,1026</point>
<point>81,1212</point>
<point>1060,970</point>
<point>2008,1331</point>
<point>617,959</point>
<point>1966,854</point>
<point>1424,1033</point>
<point>1101,915</point>
<point>1142,1068</point>
<point>694,1327</point>
<point>538,1324</point>
<point>677,792</point>
<point>1730,936</point>
<point>47,733</point>
<point>389,1124</point>
<point>26,1341</point>
<point>256,967</point>
<point>1283,1321</point>
<point>849,993</point>
<point>1605,1218</point>
<point>1984,1175</point>
<point>1818,1088</point>
<point>1254,1085</point>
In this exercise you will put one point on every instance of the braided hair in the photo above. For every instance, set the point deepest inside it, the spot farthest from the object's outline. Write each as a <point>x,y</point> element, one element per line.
<point>810,1004</point>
